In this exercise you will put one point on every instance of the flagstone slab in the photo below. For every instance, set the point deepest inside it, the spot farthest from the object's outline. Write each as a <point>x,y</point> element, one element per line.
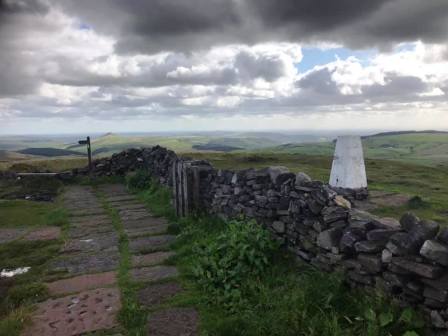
<point>90,220</point>
<point>137,211</point>
<point>83,205</point>
<point>153,274</point>
<point>87,212</point>
<point>92,243</point>
<point>114,188</point>
<point>151,259</point>
<point>144,222</point>
<point>43,234</point>
<point>174,322</point>
<point>8,235</point>
<point>157,294</point>
<point>135,215</point>
<point>130,206</point>
<point>84,232</point>
<point>82,283</point>
<point>120,198</point>
<point>146,231</point>
<point>85,312</point>
<point>150,244</point>
<point>86,263</point>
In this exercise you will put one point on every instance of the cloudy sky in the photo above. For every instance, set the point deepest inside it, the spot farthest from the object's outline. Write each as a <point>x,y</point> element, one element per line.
<point>154,65</point>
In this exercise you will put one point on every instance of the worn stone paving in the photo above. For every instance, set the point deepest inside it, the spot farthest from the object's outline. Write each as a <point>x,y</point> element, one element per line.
<point>78,314</point>
<point>173,321</point>
<point>82,283</point>
<point>39,234</point>
<point>150,245</point>
<point>85,298</point>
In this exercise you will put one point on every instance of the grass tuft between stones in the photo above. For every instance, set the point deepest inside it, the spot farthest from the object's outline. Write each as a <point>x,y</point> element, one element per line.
<point>131,316</point>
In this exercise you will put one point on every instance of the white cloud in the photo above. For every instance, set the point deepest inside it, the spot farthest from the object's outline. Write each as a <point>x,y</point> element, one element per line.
<point>77,73</point>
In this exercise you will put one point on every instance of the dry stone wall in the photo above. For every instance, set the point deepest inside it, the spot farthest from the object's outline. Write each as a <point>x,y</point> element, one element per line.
<point>407,259</point>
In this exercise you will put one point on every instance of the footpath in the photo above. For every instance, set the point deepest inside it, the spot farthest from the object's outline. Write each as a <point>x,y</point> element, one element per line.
<point>110,228</point>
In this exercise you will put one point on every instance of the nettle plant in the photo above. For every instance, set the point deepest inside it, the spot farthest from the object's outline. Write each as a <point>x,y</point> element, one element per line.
<point>229,265</point>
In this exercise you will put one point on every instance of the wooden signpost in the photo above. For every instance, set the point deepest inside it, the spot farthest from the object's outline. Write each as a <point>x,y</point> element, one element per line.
<point>89,151</point>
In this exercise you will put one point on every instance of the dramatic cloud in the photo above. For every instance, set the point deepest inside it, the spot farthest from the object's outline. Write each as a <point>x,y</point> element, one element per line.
<point>149,26</point>
<point>168,59</point>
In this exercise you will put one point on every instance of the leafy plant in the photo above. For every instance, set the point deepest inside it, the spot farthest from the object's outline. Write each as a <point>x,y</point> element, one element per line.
<point>225,265</point>
<point>140,180</point>
<point>382,319</point>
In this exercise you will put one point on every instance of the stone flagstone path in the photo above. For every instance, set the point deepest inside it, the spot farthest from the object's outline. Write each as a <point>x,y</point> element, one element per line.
<point>83,281</point>
<point>85,297</point>
<point>149,245</point>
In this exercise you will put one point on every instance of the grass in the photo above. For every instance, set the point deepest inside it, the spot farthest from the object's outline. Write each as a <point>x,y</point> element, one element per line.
<point>422,148</point>
<point>26,289</point>
<point>31,185</point>
<point>13,324</point>
<point>131,316</point>
<point>27,214</point>
<point>57,164</point>
<point>287,299</point>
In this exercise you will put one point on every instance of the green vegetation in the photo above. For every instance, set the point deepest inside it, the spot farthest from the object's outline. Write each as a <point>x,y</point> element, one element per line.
<point>429,149</point>
<point>20,213</point>
<point>423,148</point>
<point>58,164</point>
<point>243,286</point>
<point>13,324</point>
<point>31,185</point>
<point>131,316</point>
<point>19,293</point>
<point>27,288</point>
<point>140,180</point>
<point>223,264</point>
<point>50,152</point>
<point>284,299</point>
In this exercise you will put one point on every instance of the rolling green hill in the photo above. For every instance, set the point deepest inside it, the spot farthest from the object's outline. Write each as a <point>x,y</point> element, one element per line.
<point>428,148</point>
<point>425,148</point>
<point>49,152</point>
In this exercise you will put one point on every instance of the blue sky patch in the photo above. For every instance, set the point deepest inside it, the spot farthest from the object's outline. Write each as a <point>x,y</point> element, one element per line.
<point>317,56</point>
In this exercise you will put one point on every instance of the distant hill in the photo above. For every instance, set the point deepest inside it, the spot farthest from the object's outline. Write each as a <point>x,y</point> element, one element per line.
<point>49,152</point>
<point>10,156</point>
<point>216,148</point>
<point>418,147</point>
<point>403,133</point>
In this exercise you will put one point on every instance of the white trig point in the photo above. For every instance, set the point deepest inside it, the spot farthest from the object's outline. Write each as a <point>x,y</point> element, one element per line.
<point>348,169</point>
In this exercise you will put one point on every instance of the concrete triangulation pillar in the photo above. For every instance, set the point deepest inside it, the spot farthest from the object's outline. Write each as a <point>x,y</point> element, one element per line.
<point>348,170</point>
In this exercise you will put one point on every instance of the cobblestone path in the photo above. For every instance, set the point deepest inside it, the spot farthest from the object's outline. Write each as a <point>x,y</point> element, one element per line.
<point>82,281</point>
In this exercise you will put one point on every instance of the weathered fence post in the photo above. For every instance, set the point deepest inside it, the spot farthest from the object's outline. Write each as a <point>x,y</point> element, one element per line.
<point>186,186</point>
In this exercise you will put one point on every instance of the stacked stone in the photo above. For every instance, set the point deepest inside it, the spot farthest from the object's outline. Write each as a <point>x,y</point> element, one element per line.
<point>407,259</point>
<point>157,160</point>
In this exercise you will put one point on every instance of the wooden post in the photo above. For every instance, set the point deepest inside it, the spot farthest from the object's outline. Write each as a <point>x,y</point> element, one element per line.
<point>175,188</point>
<point>89,154</point>
<point>186,187</point>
